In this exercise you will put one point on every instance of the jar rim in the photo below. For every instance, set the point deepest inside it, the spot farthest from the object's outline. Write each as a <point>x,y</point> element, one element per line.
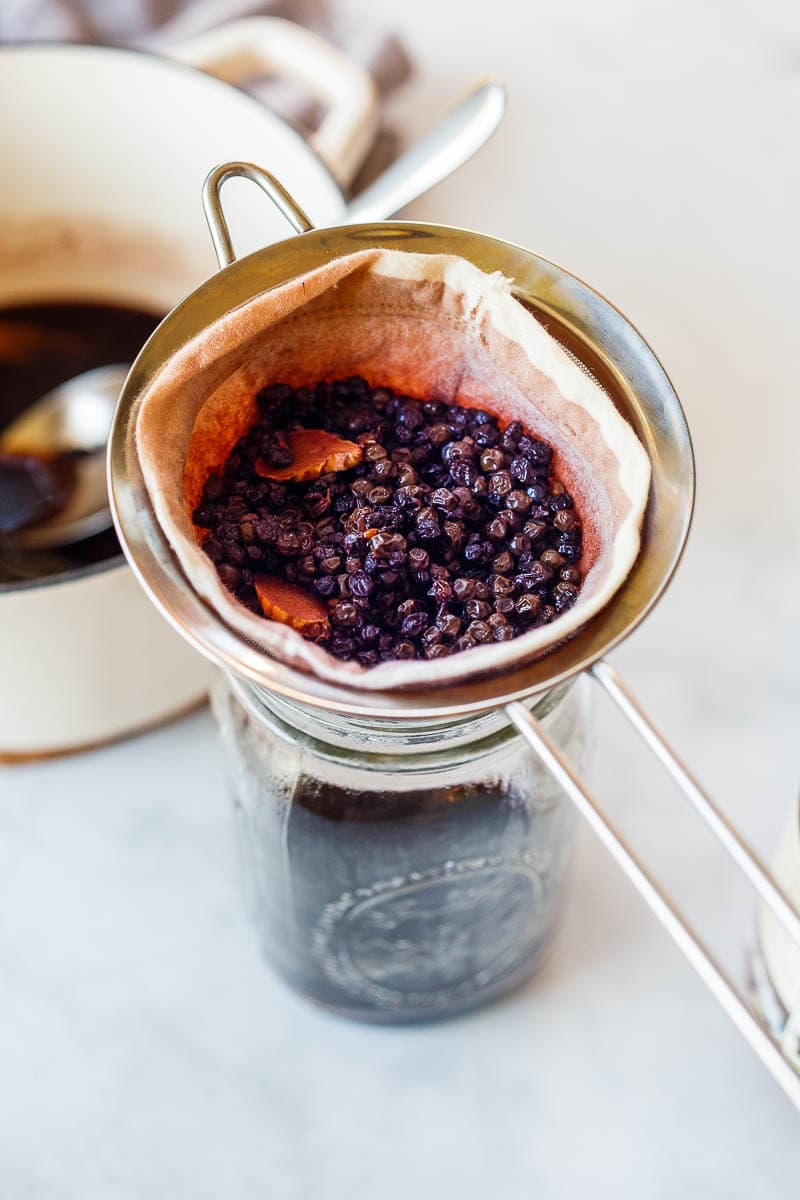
<point>341,735</point>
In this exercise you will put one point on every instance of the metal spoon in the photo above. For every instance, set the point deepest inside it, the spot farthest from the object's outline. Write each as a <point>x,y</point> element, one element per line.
<point>450,143</point>
<point>74,419</point>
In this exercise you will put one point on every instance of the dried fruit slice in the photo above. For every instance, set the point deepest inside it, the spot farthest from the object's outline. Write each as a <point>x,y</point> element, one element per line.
<point>292,605</point>
<point>316,452</point>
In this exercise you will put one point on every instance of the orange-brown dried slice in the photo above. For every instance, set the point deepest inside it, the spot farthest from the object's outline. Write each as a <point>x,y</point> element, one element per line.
<point>316,452</point>
<point>292,605</point>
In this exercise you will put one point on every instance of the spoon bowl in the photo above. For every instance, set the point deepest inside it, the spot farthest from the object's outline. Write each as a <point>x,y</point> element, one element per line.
<point>70,424</point>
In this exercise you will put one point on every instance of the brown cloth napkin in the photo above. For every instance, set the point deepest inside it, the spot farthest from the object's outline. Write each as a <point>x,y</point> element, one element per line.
<point>155,24</point>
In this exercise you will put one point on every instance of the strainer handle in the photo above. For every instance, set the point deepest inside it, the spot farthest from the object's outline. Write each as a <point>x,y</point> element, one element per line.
<point>757,872</point>
<point>684,936</point>
<point>215,215</point>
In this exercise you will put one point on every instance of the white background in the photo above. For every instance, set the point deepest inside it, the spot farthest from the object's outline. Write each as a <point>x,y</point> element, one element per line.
<point>144,1049</point>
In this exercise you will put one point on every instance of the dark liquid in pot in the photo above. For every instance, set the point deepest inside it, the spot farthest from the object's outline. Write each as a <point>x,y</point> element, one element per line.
<point>42,346</point>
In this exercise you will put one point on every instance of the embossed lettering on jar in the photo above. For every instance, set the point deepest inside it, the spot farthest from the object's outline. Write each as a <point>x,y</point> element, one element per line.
<point>399,871</point>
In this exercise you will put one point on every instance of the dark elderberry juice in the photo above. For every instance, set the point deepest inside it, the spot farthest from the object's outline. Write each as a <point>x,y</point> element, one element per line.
<point>398,875</point>
<point>42,346</point>
<point>446,905</point>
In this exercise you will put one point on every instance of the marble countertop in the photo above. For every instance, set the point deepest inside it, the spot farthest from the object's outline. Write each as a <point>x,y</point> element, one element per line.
<point>146,1052</point>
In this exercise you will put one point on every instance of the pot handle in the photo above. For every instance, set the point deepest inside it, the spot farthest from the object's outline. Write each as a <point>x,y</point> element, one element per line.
<point>215,215</point>
<point>274,46</point>
<point>659,903</point>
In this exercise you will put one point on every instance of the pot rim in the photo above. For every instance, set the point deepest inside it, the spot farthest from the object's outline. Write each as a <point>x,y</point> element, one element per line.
<point>74,575</point>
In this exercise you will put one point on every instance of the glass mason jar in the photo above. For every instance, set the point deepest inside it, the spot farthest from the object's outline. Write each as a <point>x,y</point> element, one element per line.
<point>399,870</point>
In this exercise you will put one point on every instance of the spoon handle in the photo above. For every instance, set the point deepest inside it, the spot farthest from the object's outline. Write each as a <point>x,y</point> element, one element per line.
<point>444,148</point>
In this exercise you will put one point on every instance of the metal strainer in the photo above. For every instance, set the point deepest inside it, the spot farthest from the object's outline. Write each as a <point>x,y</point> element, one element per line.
<point>606,345</point>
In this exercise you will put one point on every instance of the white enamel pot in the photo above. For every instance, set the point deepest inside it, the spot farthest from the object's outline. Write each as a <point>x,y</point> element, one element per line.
<point>102,150</point>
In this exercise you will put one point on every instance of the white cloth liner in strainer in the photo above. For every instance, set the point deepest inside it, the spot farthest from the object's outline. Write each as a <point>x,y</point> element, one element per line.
<point>431,326</point>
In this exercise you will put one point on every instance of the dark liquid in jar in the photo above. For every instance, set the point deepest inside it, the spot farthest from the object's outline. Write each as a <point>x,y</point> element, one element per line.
<point>408,905</point>
<point>42,346</point>
<point>424,938</point>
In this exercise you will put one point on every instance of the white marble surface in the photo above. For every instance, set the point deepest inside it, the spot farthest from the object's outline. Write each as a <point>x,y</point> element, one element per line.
<point>145,1051</point>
